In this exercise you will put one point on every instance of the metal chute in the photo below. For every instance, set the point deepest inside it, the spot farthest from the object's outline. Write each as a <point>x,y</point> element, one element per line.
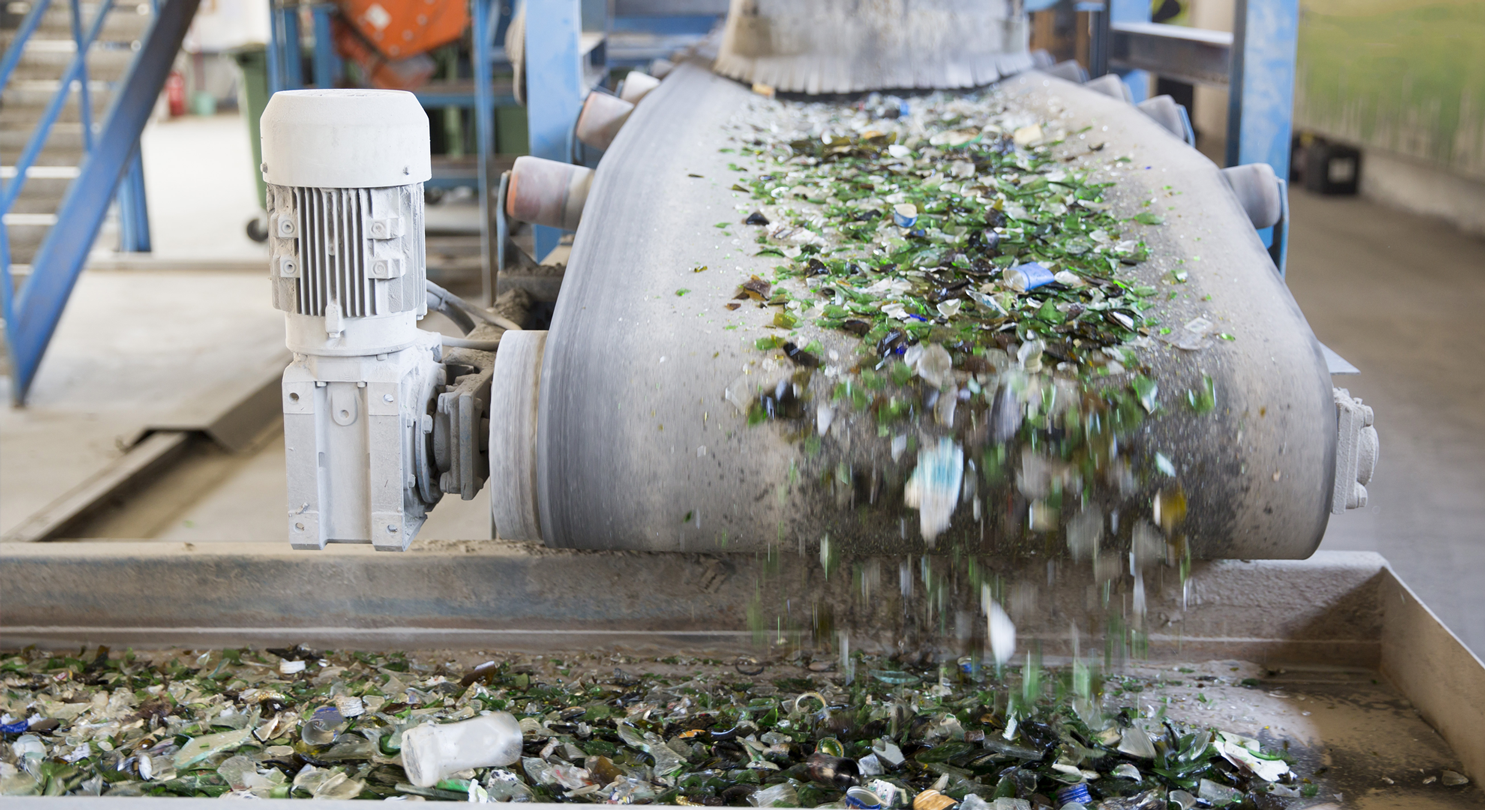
<point>844,46</point>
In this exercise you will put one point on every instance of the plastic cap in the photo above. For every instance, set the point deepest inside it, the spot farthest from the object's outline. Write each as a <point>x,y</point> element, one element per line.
<point>345,139</point>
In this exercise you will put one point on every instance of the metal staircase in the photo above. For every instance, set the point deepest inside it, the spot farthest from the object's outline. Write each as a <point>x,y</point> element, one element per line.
<point>23,106</point>
<point>77,84</point>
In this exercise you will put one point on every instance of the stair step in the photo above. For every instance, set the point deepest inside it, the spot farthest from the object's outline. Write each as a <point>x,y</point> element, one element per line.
<point>36,218</point>
<point>34,174</point>
<point>124,22</point>
<point>48,58</point>
<point>63,145</point>
<point>32,203</point>
<point>45,186</point>
<point>25,117</point>
<point>20,94</point>
<point>25,240</point>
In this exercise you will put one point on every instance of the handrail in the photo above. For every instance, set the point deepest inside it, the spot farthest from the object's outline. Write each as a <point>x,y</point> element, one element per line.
<point>33,148</point>
<point>8,64</point>
<point>59,261</point>
<point>77,68</point>
<point>84,99</point>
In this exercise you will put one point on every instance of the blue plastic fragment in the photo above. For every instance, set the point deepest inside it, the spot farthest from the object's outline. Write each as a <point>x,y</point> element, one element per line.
<point>917,317</point>
<point>1031,275</point>
<point>17,727</point>
<point>1074,793</point>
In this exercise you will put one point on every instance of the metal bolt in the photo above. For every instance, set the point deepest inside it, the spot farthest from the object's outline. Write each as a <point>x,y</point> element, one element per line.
<point>391,529</point>
<point>299,527</point>
<point>386,397</point>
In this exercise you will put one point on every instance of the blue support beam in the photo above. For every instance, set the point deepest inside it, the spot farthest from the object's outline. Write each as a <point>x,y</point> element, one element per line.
<point>1260,112</point>
<point>293,52</point>
<point>275,42</point>
<point>1132,11</point>
<point>481,32</point>
<point>1261,95</point>
<point>554,87</point>
<point>327,65</point>
<point>38,305</point>
<point>285,53</point>
<point>134,217</point>
<point>84,97</point>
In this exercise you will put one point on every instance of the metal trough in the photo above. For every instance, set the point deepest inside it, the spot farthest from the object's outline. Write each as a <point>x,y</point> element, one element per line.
<point>1352,665</point>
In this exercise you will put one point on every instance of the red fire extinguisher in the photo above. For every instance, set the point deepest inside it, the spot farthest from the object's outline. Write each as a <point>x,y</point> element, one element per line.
<point>175,93</point>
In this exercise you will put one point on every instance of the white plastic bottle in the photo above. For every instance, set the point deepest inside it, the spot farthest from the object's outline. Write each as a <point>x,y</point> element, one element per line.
<point>431,752</point>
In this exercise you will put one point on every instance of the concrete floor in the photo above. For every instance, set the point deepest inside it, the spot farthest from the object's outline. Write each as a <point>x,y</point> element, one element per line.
<point>1397,295</point>
<point>133,349</point>
<point>200,181</point>
<point>1401,297</point>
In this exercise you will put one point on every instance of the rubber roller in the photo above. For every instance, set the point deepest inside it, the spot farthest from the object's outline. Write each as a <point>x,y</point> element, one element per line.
<point>601,119</point>
<point>545,192</point>
<point>636,86</point>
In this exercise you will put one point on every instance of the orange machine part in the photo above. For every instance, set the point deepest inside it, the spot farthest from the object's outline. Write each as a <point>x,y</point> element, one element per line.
<point>409,73</point>
<point>403,28</point>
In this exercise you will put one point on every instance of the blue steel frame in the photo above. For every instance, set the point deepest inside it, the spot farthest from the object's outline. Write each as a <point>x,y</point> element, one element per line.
<point>285,52</point>
<point>1132,11</point>
<point>327,64</point>
<point>133,207</point>
<point>1260,113</point>
<point>483,24</point>
<point>134,212</point>
<point>1260,106</point>
<point>31,318</point>
<point>8,64</point>
<point>555,88</point>
<point>12,190</point>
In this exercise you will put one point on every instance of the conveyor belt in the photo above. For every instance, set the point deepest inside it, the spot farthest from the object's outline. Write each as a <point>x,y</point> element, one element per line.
<point>637,447</point>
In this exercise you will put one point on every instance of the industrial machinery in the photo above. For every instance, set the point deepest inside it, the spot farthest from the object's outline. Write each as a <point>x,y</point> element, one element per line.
<point>379,422</point>
<point>628,425</point>
<point>845,47</point>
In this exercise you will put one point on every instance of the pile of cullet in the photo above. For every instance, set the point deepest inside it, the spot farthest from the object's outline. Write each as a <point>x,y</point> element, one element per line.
<point>587,727</point>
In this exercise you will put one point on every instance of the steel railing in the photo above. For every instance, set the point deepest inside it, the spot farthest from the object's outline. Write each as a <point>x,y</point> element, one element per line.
<point>110,157</point>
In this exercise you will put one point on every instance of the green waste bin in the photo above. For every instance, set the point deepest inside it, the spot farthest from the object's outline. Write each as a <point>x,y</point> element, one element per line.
<point>252,97</point>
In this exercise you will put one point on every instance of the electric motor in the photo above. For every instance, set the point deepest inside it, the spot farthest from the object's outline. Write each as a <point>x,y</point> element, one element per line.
<point>345,172</point>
